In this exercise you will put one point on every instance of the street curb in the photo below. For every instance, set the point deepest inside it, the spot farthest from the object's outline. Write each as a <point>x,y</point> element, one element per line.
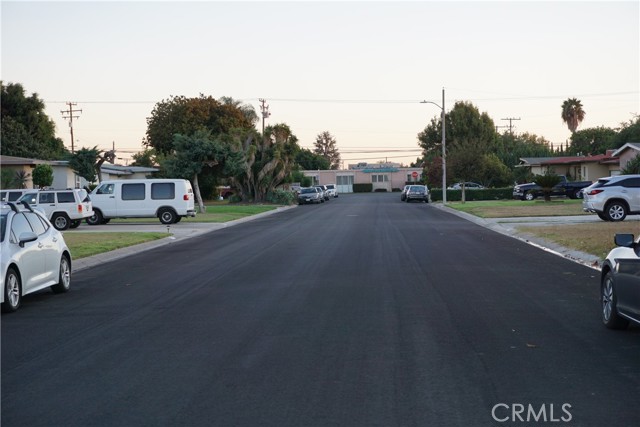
<point>583,258</point>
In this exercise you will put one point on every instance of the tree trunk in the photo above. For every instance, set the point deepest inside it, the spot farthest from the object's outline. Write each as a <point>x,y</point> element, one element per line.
<point>196,190</point>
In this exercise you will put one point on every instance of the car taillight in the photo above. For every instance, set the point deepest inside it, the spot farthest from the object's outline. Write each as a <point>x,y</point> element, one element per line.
<point>185,197</point>
<point>79,208</point>
<point>594,192</point>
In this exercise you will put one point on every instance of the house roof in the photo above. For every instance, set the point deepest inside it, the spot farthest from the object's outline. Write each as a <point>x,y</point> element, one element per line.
<point>569,160</point>
<point>628,146</point>
<point>19,161</point>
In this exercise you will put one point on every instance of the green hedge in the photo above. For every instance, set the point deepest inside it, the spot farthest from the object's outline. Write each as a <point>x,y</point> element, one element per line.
<point>362,188</point>
<point>484,194</point>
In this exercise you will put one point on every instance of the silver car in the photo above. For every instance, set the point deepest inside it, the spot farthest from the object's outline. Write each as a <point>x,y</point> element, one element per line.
<point>310,195</point>
<point>620,283</point>
<point>613,198</point>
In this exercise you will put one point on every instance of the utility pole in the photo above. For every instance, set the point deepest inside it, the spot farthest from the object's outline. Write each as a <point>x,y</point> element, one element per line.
<point>499,127</point>
<point>511,119</point>
<point>69,114</point>
<point>264,107</point>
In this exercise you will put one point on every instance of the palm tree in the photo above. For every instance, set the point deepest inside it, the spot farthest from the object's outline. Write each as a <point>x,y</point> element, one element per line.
<point>572,113</point>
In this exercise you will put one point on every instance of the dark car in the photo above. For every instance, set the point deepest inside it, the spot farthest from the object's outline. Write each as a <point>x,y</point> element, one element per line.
<point>620,283</point>
<point>310,195</point>
<point>417,192</point>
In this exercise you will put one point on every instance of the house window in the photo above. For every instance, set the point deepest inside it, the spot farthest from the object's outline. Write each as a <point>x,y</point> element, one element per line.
<point>379,178</point>
<point>344,180</point>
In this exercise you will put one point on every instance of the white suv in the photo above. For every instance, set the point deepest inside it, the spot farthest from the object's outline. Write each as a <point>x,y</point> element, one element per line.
<point>64,208</point>
<point>613,197</point>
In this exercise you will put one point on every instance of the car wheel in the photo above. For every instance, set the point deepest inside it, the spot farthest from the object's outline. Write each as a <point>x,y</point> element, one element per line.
<point>529,196</point>
<point>178,219</point>
<point>602,216</point>
<point>96,218</point>
<point>64,276</point>
<point>609,300</point>
<point>105,221</point>
<point>615,211</point>
<point>60,221</point>
<point>75,223</point>
<point>12,291</point>
<point>167,216</point>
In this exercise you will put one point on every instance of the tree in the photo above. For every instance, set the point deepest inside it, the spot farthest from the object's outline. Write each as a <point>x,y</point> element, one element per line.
<point>42,176</point>
<point>185,116</point>
<point>592,141</point>
<point>26,130</point>
<point>307,160</point>
<point>257,165</point>
<point>325,145</point>
<point>193,154</point>
<point>20,179</point>
<point>572,113</point>
<point>494,173</point>
<point>628,132</point>
<point>83,162</point>
<point>632,166</point>
<point>464,162</point>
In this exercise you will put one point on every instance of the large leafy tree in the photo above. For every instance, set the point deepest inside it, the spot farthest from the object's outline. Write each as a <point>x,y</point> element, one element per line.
<point>592,141</point>
<point>572,113</point>
<point>463,123</point>
<point>308,160</point>
<point>192,154</point>
<point>628,132</point>
<point>325,145</point>
<point>87,162</point>
<point>185,116</point>
<point>26,130</point>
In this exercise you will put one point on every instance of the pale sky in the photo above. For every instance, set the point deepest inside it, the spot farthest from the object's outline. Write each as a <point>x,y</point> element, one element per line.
<point>355,69</point>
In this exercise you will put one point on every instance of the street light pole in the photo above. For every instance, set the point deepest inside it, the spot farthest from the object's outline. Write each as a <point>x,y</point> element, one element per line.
<point>444,156</point>
<point>444,149</point>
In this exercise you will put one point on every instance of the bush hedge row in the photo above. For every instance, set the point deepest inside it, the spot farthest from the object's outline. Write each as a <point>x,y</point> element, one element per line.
<point>483,194</point>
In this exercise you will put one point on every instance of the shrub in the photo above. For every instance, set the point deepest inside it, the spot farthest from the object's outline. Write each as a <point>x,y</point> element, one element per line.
<point>362,188</point>
<point>483,194</point>
<point>281,197</point>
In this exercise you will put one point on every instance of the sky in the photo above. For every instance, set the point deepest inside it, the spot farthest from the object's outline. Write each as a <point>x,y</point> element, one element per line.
<point>355,69</point>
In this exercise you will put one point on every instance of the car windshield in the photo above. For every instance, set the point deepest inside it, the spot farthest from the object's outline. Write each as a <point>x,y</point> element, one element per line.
<point>416,188</point>
<point>307,190</point>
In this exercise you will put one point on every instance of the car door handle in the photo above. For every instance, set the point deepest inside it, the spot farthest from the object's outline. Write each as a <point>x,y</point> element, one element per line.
<point>112,197</point>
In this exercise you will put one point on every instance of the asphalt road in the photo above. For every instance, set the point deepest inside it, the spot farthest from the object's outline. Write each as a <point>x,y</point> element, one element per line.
<point>363,311</point>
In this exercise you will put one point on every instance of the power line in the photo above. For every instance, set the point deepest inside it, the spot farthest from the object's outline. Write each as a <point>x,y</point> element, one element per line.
<point>511,119</point>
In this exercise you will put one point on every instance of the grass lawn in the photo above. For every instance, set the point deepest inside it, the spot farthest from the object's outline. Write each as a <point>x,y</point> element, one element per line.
<point>519,208</point>
<point>595,239</point>
<point>86,244</point>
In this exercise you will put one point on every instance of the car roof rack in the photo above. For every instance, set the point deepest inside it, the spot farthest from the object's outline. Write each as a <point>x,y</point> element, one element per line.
<point>13,206</point>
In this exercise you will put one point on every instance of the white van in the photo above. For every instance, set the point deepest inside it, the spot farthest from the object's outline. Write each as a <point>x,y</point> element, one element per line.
<point>166,199</point>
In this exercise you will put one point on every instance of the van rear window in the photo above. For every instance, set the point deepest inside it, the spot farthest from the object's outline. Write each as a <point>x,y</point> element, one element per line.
<point>132,191</point>
<point>163,191</point>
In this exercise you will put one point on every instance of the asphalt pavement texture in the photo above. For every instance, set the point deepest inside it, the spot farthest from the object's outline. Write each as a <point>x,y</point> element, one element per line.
<point>363,311</point>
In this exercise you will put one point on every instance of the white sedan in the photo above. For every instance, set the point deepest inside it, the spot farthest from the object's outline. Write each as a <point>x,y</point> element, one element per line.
<point>33,255</point>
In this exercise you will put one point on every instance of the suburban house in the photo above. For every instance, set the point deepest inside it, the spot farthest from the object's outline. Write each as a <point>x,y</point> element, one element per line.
<point>384,176</point>
<point>580,168</point>
<point>64,177</point>
<point>627,152</point>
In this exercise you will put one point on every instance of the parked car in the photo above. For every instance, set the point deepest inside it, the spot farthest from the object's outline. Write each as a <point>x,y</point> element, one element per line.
<point>418,192</point>
<point>570,189</point>
<point>613,198</point>
<point>12,195</point>
<point>620,283</point>
<point>310,195</point>
<point>64,208</point>
<point>323,190</point>
<point>169,200</point>
<point>332,189</point>
<point>33,255</point>
<point>403,194</point>
<point>467,186</point>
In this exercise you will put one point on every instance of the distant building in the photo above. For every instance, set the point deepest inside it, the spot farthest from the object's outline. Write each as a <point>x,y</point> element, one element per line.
<point>383,176</point>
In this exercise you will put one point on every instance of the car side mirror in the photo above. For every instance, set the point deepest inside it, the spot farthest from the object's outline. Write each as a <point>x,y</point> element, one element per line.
<point>624,240</point>
<point>26,237</point>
